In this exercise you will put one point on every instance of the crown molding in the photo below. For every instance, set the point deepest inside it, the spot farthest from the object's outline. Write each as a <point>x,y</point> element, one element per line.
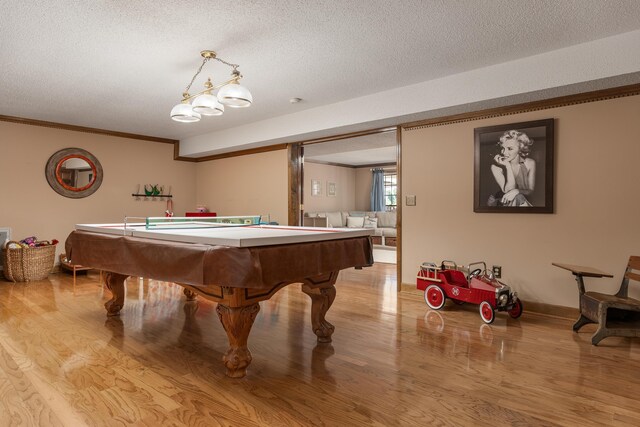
<point>561,101</point>
<point>246,152</point>
<point>74,128</point>
<point>348,135</point>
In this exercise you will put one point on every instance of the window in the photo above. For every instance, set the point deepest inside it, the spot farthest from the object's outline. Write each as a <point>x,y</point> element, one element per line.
<point>390,191</point>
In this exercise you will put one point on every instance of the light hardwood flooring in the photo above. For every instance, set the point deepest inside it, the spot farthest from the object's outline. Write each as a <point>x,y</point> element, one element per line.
<point>393,362</point>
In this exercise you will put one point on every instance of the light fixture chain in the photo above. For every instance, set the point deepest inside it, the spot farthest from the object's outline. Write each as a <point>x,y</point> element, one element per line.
<point>234,66</point>
<point>204,61</point>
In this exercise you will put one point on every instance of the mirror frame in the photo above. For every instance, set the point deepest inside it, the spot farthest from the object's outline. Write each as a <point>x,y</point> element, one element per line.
<point>54,164</point>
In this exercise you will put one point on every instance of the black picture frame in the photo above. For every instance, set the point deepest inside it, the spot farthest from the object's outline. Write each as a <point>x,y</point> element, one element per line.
<point>533,167</point>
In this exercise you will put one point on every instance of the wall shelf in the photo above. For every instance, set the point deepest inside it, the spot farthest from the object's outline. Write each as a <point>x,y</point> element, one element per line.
<point>151,195</point>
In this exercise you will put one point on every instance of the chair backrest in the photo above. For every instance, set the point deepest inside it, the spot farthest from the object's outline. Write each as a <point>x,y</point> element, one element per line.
<point>631,273</point>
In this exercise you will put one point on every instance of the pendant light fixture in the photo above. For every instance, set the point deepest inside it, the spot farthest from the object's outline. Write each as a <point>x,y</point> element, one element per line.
<point>205,103</point>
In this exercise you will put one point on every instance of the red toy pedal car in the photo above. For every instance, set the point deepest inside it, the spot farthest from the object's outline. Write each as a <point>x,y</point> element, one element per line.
<point>479,287</point>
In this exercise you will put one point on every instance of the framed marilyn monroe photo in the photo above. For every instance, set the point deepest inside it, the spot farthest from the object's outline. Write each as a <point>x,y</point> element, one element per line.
<point>513,168</point>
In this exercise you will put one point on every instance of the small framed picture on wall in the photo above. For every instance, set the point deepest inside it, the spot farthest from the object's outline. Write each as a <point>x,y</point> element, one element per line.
<point>316,187</point>
<point>513,168</point>
<point>331,189</point>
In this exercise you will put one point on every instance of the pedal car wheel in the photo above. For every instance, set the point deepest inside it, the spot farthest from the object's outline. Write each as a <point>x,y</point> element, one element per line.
<point>517,309</point>
<point>486,312</point>
<point>434,297</point>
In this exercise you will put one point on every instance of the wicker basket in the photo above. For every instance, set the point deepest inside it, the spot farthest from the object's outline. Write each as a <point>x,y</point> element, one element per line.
<point>26,264</point>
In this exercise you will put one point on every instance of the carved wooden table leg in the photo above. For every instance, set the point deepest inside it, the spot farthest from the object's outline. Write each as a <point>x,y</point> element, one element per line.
<point>191,296</point>
<point>321,300</point>
<point>115,283</point>
<point>237,323</point>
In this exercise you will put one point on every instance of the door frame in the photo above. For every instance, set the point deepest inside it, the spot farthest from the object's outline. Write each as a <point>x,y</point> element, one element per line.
<point>295,156</point>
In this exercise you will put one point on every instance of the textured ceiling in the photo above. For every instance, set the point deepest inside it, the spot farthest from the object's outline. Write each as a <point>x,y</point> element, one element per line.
<point>122,65</point>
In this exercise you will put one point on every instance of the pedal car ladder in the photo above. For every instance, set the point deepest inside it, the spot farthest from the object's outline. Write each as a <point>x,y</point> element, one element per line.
<point>429,271</point>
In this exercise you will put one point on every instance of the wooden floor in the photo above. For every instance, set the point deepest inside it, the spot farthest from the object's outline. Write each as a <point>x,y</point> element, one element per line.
<point>393,362</point>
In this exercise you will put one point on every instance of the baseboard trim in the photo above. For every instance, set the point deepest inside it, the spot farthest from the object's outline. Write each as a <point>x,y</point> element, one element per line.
<point>410,288</point>
<point>551,310</point>
<point>530,306</point>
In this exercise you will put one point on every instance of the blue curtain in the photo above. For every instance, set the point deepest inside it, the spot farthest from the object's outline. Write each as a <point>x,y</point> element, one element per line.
<point>377,190</point>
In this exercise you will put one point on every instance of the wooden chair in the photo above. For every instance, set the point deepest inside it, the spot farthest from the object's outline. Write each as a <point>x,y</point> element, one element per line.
<point>616,315</point>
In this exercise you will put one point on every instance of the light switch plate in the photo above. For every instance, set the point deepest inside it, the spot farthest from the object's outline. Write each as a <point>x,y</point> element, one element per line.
<point>411,200</point>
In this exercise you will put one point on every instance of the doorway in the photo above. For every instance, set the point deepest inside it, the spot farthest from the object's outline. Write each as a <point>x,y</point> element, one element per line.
<point>334,179</point>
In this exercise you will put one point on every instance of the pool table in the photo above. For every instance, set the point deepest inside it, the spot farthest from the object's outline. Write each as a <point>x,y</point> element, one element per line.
<point>237,267</point>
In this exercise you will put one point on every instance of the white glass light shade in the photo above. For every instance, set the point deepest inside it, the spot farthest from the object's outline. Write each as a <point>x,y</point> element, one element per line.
<point>184,113</point>
<point>235,96</point>
<point>207,105</point>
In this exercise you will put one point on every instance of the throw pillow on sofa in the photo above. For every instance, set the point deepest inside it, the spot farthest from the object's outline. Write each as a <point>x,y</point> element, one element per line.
<point>386,219</point>
<point>370,222</point>
<point>335,219</point>
<point>355,221</point>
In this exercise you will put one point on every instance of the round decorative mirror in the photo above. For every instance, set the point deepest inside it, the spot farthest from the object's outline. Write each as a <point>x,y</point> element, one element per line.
<point>74,173</point>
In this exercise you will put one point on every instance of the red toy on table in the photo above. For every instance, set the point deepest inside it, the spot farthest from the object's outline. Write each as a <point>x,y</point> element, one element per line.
<point>200,214</point>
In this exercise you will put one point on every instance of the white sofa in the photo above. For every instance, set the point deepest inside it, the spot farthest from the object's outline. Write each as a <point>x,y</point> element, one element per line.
<point>384,223</point>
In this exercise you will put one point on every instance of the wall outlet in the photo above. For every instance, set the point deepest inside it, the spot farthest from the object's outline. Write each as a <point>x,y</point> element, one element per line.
<point>497,271</point>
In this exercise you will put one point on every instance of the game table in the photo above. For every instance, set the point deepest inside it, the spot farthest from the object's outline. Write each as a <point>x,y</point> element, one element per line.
<point>236,265</point>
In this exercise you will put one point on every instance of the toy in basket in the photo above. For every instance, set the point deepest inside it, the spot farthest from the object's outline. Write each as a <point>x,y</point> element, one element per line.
<point>28,259</point>
<point>479,287</point>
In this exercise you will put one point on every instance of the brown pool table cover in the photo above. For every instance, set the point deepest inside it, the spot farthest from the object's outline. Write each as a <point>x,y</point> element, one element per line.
<point>201,265</point>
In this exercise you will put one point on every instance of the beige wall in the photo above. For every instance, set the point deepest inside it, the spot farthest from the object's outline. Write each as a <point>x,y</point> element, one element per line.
<point>252,184</point>
<point>597,205</point>
<point>30,207</point>
<point>363,189</point>
<point>345,180</point>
